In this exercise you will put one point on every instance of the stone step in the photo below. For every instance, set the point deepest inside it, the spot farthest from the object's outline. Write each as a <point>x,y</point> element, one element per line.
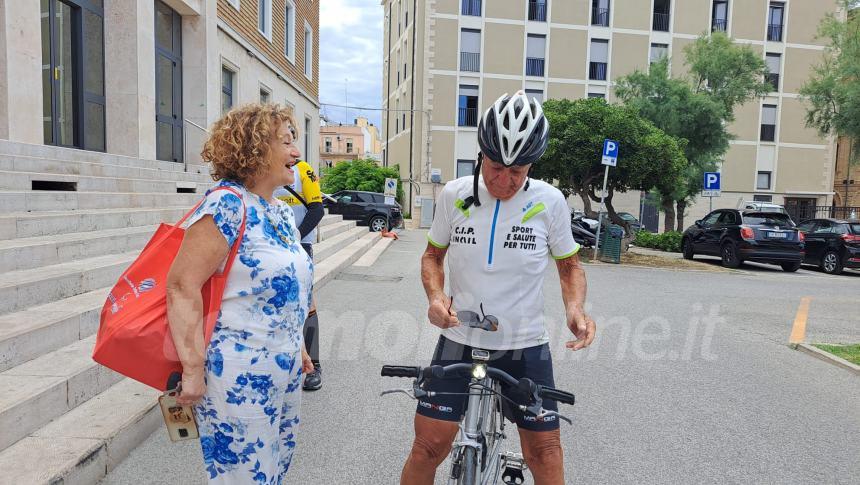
<point>34,393</point>
<point>332,245</point>
<point>36,200</point>
<point>18,181</point>
<point>22,163</point>
<point>26,288</point>
<point>38,330</point>
<point>81,446</point>
<point>329,219</point>
<point>49,223</point>
<point>34,252</point>
<point>334,229</point>
<point>328,268</point>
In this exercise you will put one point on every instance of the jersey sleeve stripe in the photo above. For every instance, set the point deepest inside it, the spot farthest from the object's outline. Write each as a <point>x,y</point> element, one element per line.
<point>565,256</point>
<point>435,244</point>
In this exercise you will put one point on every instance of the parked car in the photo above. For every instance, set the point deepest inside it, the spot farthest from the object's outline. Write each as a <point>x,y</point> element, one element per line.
<point>635,225</point>
<point>832,244</point>
<point>762,207</point>
<point>737,236</point>
<point>368,208</point>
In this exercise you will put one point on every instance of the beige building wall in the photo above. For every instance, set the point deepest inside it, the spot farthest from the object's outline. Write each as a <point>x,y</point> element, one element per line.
<point>502,60</point>
<point>629,53</point>
<point>627,14</point>
<point>690,17</point>
<point>749,21</point>
<point>569,49</point>
<point>508,9</point>
<point>571,12</point>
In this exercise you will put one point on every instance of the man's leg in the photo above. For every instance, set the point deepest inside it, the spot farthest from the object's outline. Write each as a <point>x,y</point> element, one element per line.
<point>544,456</point>
<point>311,331</point>
<point>433,438</point>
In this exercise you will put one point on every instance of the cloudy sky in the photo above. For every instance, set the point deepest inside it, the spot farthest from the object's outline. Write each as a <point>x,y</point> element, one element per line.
<point>351,49</point>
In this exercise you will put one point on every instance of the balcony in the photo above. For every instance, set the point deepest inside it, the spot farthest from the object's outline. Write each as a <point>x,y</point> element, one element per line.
<point>661,22</point>
<point>768,133</point>
<point>600,16</point>
<point>470,61</point>
<point>535,66</point>
<point>471,7</point>
<point>720,25</point>
<point>773,80</point>
<point>597,71</point>
<point>467,117</point>
<point>774,32</point>
<point>537,11</point>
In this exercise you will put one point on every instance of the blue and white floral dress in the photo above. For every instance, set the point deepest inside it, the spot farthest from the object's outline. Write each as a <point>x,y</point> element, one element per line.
<point>249,414</point>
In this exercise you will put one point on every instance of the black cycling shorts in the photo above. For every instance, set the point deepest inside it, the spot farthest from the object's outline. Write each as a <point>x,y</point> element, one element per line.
<point>308,247</point>
<point>532,362</point>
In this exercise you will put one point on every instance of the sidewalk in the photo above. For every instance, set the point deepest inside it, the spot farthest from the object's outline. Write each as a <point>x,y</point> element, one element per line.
<point>655,252</point>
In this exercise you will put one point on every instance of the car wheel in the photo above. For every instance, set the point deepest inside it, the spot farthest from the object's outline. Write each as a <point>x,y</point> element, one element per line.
<point>790,267</point>
<point>730,255</point>
<point>831,263</point>
<point>687,247</point>
<point>377,224</point>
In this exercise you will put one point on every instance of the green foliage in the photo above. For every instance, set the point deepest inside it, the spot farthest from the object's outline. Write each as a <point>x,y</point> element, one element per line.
<point>833,90</point>
<point>729,73</point>
<point>360,175</point>
<point>667,241</point>
<point>648,156</point>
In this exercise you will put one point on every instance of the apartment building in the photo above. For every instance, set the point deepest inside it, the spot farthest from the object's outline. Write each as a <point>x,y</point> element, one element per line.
<point>339,142</point>
<point>145,78</point>
<point>448,61</point>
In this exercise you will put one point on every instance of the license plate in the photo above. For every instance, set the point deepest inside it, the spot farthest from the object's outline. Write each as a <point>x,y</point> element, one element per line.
<point>777,235</point>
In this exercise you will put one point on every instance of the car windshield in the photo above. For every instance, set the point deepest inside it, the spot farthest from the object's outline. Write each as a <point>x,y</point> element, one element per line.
<point>855,228</point>
<point>768,219</point>
<point>626,216</point>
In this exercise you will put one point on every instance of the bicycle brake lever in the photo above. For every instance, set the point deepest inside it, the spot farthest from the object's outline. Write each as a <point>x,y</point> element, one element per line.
<point>544,413</point>
<point>396,391</point>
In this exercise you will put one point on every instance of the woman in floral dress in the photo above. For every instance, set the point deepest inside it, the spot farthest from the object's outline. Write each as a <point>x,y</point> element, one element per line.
<point>245,382</point>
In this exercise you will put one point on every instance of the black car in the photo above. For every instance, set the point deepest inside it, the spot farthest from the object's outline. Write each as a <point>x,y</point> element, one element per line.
<point>368,208</point>
<point>832,244</point>
<point>635,225</point>
<point>736,236</point>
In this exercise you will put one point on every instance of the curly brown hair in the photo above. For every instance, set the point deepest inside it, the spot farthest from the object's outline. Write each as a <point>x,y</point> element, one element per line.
<point>238,144</point>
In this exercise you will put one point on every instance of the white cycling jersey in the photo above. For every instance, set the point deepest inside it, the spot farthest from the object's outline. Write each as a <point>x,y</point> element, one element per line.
<point>497,254</point>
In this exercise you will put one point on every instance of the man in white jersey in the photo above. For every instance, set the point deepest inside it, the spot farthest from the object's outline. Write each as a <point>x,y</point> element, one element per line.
<point>499,229</point>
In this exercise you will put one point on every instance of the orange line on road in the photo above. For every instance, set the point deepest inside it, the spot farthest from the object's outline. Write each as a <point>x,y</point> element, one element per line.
<point>798,330</point>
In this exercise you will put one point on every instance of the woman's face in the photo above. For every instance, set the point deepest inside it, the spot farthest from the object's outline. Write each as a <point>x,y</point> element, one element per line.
<point>283,154</point>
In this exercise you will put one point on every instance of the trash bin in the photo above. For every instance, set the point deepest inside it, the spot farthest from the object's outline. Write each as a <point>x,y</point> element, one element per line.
<point>610,244</point>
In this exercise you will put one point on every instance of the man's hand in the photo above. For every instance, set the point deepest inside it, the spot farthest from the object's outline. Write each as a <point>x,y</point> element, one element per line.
<point>440,313</point>
<point>307,363</point>
<point>582,327</point>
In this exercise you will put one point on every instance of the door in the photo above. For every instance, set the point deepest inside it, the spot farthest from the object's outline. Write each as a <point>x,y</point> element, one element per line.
<point>73,84</point>
<point>728,219</point>
<point>700,234</point>
<point>169,144</point>
<point>818,241</point>
<point>800,209</point>
<point>807,228</point>
<point>361,206</point>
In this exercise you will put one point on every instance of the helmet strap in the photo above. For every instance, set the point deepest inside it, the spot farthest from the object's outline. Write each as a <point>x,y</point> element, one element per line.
<point>473,199</point>
<point>528,178</point>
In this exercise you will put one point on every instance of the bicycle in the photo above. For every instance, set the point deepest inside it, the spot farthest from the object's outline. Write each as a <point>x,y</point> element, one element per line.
<point>476,456</point>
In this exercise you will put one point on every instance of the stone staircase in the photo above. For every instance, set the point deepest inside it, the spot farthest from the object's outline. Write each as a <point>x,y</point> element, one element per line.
<point>71,222</point>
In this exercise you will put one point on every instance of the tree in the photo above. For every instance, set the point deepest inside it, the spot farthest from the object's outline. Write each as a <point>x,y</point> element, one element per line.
<point>674,107</point>
<point>360,174</point>
<point>648,157</point>
<point>833,91</point>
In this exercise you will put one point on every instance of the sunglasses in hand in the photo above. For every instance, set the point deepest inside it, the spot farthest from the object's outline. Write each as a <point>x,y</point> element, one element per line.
<point>490,323</point>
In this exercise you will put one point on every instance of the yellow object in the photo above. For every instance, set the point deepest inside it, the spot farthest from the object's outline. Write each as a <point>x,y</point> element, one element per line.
<point>307,185</point>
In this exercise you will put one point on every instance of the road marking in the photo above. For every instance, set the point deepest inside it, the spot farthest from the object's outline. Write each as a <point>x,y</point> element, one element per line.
<point>798,330</point>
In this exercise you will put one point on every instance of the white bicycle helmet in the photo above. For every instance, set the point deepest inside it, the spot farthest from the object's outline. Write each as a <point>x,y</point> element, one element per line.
<point>514,130</point>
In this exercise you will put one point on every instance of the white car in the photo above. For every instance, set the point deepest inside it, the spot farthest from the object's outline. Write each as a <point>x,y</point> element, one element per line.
<point>761,207</point>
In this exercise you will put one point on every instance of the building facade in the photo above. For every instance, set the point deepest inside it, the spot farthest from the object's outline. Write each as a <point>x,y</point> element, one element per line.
<point>452,58</point>
<point>846,183</point>
<point>146,78</point>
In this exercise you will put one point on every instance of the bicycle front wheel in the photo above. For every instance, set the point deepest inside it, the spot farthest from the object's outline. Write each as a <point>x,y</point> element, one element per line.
<point>470,467</point>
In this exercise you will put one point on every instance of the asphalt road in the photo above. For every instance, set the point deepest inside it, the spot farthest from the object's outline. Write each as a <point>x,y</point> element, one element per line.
<point>690,380</point>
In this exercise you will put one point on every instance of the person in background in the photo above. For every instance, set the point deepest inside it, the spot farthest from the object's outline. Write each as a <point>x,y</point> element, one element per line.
<point>305,198</point>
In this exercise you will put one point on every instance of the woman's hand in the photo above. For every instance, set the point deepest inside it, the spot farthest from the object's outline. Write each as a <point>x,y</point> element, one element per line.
<point>307,363</point>
<point>193,387</point>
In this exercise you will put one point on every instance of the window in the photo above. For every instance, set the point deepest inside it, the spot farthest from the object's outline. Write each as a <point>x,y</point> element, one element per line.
<point>470,7</point>
<point>711,218</point>
<point>537,10</point>
<point>308,153</point>
<point>768,122</point>
<point>470,50</point>
<point>597,95</point>
<point>806,226</point>
<point>658,51</point>
<point>599,59</point>
<point>328,144</point>
<point>467,106</point>
<point>234,3</point>
<point>227,77</point>
<point>349,145</point>
<point>824,227</point>
<point>728,217</point>
<point>290,31</point>
<point>773,62</point>
<point>720,16</point>
<point>762,198</point>
<point>535,93</point>
<point>265,95</point>
<point>775,21</point>
<point>535,52</point>
<point>397,116</point>
<point>264,18</point>
<point>465,168</point>
<point>309,52</point>
<point>600,12</point>
<point>763,181</point>
<point>661,15</point>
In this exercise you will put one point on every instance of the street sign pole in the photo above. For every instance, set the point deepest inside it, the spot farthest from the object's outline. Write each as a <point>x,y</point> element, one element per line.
<point>600,212</point>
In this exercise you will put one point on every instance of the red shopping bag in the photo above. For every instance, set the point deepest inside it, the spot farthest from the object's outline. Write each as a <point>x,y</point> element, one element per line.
<point>134,338</point>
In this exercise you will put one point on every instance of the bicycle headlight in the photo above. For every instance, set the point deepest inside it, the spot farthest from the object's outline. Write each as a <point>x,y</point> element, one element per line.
<point>479,371</point>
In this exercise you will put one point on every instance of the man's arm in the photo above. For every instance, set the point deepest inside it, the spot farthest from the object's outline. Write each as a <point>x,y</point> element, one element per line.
<point>433,278</point>
<point>573,290</point>
<point>312,218</point>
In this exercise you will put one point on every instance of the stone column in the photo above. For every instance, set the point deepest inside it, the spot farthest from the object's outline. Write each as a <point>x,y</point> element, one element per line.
<point>201,75</point>
<point>21,72</point>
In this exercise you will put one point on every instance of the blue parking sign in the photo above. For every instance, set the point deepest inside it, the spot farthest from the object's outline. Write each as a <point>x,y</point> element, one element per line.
<point>610,153</point>
<point>711,184</point>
